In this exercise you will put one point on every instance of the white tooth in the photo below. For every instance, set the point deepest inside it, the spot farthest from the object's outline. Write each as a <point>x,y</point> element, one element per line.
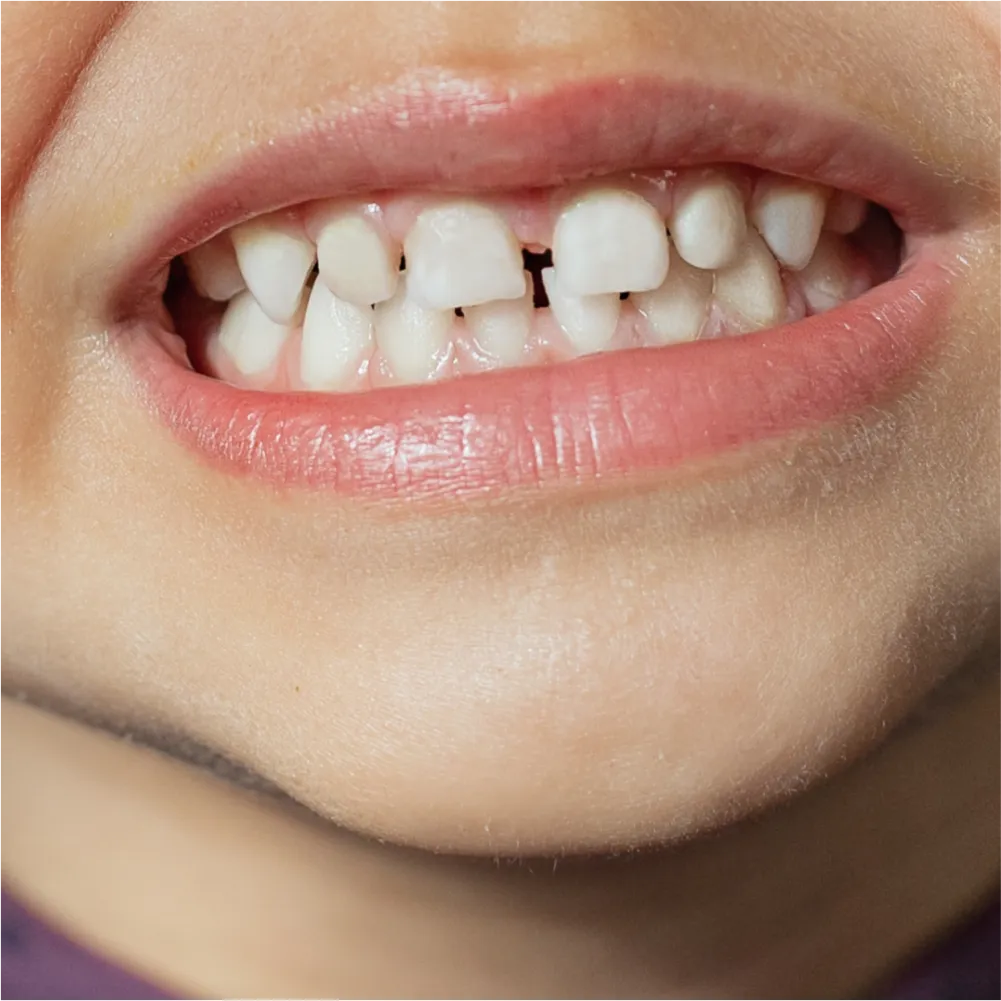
<point>589,321</point>
<point>275,259</point>
<point>610,240</point>
<point>413,340</point>
<point>462,254</point>
<point>251,339</point>
<point>845,212</point>
<point>676,311</point>
<point>336,336</point>
<point>501,328</point>
<point>831,277</point>
<point>750,289</point>
<point>789,213</point>
<point>213,269</point>
<point>707,219</point>
<point>358,262</point>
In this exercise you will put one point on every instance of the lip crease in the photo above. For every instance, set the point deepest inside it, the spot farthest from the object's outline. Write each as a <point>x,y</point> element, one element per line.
<point>597,419</point>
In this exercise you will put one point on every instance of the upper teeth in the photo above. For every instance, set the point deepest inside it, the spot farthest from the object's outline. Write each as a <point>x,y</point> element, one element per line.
<point>707,219</point>
<point>788,214</point>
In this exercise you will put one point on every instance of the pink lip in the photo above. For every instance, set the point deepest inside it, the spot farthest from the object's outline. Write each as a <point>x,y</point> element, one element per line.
<point>601,418</point>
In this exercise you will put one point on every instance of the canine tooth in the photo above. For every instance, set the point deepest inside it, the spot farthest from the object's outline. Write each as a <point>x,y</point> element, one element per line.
<point>336,336</point>
<point>589,321</point>
<point>831,277</point>
<point>610,240</point>
<point>249,336</point>
<point>789,213</point>
<point>707,220</point>
<point>275,260</point>
<point>413,340</point>
<point>676,311</point>
<point>751,287</point>
<point>462,254</point>
<point>845,212</point>
<point>357,261</point>
<point>213,269</point>
<point>502,327</point>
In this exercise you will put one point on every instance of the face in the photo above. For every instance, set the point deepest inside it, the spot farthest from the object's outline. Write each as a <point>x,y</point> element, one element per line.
<point>574,569</point>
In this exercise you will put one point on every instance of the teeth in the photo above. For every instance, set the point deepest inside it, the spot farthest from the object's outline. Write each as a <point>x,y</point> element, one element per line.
<point>358,262</point>
<point>275,260</point>
<point>589,321</point>
<point>251,339</point>
<point>415,342</point>
<point>610,241</point>
<point>502,327</point>
<point>336,337</point>
<point>845,212</point>
<point>213,269</point>
<point>462,254</point>
<point>789,214</point>
<point>751,287</point>
<point>676,311</point>
<point>707,220</point>
<point>831,277</point>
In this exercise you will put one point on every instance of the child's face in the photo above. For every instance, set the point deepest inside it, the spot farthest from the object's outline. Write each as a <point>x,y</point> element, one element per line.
<point>618,601</point>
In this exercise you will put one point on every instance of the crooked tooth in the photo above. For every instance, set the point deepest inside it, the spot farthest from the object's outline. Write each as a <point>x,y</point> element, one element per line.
<point>358,261</point>
<point>336,337</point>
<point>213,269</point>
<point>462,254</point>
<point>275,258</point>
<point>589,321</point>
<point>707,221</point>
<point>610,240</point>
<point>832,276</point>
<point>252,339</point>
<point>677,310</point>
<point>750,289</point>
<point>845,212</point>
<point>501,328</point>
<point>414,341</point>
<point>789,213</point>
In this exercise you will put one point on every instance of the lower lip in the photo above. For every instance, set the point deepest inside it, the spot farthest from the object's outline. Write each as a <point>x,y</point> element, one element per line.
<point>602,419</point>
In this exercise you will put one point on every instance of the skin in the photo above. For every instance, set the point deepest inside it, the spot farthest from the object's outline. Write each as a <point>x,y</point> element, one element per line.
<point>529,678</point>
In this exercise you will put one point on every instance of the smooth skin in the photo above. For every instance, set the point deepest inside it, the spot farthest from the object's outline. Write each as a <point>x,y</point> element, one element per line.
<point>575,674</point>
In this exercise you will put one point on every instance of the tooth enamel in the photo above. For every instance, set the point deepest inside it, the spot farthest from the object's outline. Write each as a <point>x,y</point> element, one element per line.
<point>501,328</point>
<point>845,212</point>
<point>414,341</point>
<point>677,310</point>
<point>251,339</point>
<point>462,254</point>
<point>275,260</point>
<point>610,240</point>
<point>213,269</point>
<point>358,262</point>
<point>336,337</point>
<point>751,287</point>
<point>707,220</point>
<point>789,214</point>
<point>831,277</point>
<point>588,321</point>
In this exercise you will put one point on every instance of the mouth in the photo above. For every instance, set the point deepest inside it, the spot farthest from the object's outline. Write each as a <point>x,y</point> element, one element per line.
<point>453,291</point>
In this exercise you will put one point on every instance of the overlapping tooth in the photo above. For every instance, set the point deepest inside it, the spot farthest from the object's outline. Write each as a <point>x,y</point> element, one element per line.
<point>589,321</point>
<point>832,276</point>
<point>750,289</point>
<point>845,212</point>
<point>414,341</point>
<point>707,220</point>
<point>336,338</point>
<point>275,259</point>
<point>788,213</point>
<point>677,310</point>
<point>213,269</point>
<point>250,338</point>
<point>501,328</point>
<point>358,261</point>
<point>610,240</point>
<point>462,253</point>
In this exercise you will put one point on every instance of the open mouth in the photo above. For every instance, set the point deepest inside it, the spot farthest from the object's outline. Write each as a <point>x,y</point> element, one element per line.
<point>670,298</point>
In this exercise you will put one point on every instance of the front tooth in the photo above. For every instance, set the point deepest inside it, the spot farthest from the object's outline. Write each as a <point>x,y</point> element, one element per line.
<point>832,276</point>
<point>750,289</point>
<point>336,337</point>
<point>676,311</point>
<point>414,341</point>
<point>589,321</point>
<point>707,219</point>
<point>251,338</point>
<point>462,254</point>
<point>213,269</point>
<point>789,214</point>
<point>275,259</point>
<point>357,260</point>
<point>610,241</point>
<point>845,212</point>
<point>501,328</point>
